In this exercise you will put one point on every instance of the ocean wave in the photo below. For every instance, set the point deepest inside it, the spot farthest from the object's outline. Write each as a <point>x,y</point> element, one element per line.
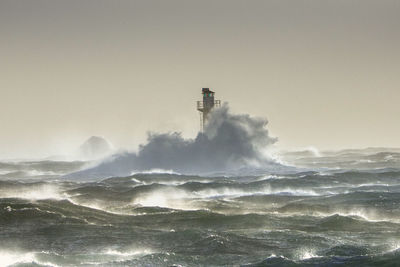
<point>34,191</point>
<point>155,171</point>
<point>8,258</point>
<point>306,218</point>
<point>128,253</point>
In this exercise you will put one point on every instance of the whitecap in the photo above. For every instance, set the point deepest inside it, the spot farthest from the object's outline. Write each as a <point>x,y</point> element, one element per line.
<point>306,253</point>
<point>155,171</point>
<point>8,258</point>
<point>37,192</point>
<point>128,253</point>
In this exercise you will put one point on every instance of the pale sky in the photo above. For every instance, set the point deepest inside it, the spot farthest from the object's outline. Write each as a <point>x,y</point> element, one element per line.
<point>325,73</point>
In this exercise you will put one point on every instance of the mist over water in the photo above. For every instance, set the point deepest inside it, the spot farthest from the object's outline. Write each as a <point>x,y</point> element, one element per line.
<point>163,206</point>
<point>230,142</point>
<point>321,216</point>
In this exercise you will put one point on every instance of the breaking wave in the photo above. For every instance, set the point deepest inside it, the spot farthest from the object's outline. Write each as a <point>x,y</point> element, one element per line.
<point>230,142</point>
<point>158,219</point>
<point>217,200</point>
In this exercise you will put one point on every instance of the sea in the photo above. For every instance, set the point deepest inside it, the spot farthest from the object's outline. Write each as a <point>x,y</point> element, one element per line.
<point>331,208</point>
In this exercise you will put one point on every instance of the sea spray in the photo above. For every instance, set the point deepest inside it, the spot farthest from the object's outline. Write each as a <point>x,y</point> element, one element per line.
<point>229,142</point>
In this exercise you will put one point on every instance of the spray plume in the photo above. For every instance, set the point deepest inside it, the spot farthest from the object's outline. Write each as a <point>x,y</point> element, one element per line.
<point>229,142</point>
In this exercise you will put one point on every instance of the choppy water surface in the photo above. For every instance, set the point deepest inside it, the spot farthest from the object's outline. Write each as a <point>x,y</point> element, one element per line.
<point>340,208</point>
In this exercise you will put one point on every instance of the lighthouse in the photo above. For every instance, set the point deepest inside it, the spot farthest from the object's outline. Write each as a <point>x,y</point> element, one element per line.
<point>205,106</point>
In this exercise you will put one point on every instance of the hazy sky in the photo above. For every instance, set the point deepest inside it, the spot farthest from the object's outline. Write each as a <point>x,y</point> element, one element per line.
<point>326,73</point>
